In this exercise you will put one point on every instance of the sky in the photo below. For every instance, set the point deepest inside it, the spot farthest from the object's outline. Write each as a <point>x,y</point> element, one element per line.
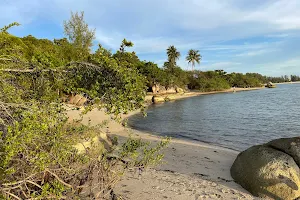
<point>260,36</point>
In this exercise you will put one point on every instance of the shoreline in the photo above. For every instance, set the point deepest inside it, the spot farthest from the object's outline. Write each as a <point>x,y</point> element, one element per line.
<point>177,96</point>
<point>181,140</point>
<point>295,82</point>
<point>191,170</point>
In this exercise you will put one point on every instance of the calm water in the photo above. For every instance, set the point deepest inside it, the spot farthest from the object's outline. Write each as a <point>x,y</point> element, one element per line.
<point>233,120</point>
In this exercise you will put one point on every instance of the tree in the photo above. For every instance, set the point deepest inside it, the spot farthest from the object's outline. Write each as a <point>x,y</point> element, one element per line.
<point>78,32</point>
<point>193,57</point>
<point>124,44</point>
<point>173,56</point>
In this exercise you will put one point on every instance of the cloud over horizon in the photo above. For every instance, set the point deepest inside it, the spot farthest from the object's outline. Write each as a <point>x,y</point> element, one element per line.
<point>236,35</point>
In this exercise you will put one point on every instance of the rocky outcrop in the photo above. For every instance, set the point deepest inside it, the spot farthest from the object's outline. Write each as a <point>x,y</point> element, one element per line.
<point>270,85</point>
<point>158,99</point>
<point>77,99</point>
<point>179,90</point>
<point>160,89</point>
<point>270,170</point>
<point>171,90</point>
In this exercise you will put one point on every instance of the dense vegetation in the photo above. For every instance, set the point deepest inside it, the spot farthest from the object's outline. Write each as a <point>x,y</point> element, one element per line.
<point>37,155</point>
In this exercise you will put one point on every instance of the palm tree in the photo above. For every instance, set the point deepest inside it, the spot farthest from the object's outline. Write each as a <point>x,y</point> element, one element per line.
<point>173,55</point>
<point>193,57</point>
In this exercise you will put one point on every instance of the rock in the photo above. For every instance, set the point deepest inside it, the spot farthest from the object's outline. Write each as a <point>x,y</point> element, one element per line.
<point>270,85</point>
<point>171,90</point>
<point>162,89</point>
<point>267,172</point>
<point>290,146</point>
<point>155,89</point>
<point>86,145</point>
<point>77,100</point>
<point>158,99</point>
<point>158,89</point>
<point>81,102</point>
<point>170,98</point>
<point>179,90</point>
<point>100,143</point>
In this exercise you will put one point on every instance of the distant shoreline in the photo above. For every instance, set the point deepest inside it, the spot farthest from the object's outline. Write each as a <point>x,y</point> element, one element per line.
<point>176,96</point>
<point>288,82</point>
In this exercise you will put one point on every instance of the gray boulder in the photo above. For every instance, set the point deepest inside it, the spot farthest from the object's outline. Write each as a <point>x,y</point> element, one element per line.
<point>290,146</point>
<point>268,172</point>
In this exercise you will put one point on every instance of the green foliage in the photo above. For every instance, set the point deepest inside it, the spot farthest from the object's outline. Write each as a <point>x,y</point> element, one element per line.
<point>43,52</point>
<point>173,56</point>
<point>244,81</point>
<point>117,89</point>
<point>5,28</point>
<point>153,73</point>
<point>79,34</point>
<point>12,51</point>
<point>143,153</point>
<point>295,78</point>
<point>127,59</point>
<point>102,52</point>
<point>208,81</point>
<point>125,43</point>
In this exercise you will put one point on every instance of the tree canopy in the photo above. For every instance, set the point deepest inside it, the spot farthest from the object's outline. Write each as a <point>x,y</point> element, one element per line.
<point>79,33</point>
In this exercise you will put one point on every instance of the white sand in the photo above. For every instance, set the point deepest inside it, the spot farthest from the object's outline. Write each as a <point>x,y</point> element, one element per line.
<point>192,170</point>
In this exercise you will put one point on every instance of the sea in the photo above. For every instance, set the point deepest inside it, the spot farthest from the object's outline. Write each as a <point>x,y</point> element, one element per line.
<point>232,120</point>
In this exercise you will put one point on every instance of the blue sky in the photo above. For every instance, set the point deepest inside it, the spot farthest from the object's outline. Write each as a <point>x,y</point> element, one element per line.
<point>235,35</point>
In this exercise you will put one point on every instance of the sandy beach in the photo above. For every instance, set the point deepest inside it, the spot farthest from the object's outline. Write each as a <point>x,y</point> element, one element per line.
<point>190,170</point>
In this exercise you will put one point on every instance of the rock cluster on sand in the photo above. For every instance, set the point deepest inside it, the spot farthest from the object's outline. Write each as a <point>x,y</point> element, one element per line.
<point>161,94</point>
<point>270,170</point>
<point>160,89</point>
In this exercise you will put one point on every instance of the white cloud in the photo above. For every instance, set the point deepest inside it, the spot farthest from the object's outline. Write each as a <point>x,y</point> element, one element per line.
<point>256,53</point>
<point>282,35</point>
<point>280,13</point>
<point>222,65</point>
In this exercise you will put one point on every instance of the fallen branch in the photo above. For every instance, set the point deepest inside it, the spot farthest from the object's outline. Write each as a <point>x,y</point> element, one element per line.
<point>59,179</point>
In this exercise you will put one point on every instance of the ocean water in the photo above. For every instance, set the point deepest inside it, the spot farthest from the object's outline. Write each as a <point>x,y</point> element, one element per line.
<point>232,120</point>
